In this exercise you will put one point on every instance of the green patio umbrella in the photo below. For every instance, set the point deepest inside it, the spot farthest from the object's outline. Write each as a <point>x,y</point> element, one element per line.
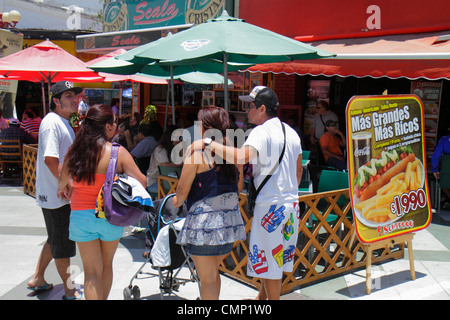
<point>224,40</point>
<point>190,72</point>
<point>207,71</point>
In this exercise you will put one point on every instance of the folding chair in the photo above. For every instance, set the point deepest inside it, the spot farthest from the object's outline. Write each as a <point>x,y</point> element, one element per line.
<point>168,180</point>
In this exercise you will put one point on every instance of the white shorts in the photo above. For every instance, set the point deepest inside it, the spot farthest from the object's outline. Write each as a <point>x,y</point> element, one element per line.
<point>273,239</point>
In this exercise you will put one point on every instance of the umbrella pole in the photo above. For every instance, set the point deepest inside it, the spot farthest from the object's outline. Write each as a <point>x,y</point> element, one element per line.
<point>173,94</point>
<point>43,97</point>
<point>120,99</point>
<point>225,81</point>
<point>49,84</point>
<point>167,107</point>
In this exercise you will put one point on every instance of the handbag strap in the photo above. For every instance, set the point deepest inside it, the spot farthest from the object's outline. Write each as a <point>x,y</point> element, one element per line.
<point>276,165</point>
<point>112,166</point>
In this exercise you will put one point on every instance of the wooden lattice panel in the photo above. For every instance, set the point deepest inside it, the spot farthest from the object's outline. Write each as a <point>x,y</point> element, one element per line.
<point>29,169</point>
<point>326,245</point>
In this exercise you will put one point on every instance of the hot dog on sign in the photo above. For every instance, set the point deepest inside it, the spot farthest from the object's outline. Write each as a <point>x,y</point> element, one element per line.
<point>387,169</point>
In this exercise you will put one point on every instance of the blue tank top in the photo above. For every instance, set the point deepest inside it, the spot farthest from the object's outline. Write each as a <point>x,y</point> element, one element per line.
<point>209,184</point>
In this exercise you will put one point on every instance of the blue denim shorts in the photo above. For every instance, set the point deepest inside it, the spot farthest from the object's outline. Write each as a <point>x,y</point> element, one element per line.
<point>85,226</point>
<point>205,250</point>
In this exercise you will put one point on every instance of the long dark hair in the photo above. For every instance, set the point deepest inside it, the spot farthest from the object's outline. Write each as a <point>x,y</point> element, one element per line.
<point>217,118</point>
<point>166,139</point>
<point>85,153</point>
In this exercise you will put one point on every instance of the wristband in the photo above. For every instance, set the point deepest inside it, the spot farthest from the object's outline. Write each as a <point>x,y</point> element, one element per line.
<point>207,142</point>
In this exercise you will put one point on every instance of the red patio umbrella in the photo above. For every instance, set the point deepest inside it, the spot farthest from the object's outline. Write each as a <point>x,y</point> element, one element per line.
<point>46,62</point>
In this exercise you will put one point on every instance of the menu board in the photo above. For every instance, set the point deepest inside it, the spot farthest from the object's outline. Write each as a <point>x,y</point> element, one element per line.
<point>388,185</point>
<point>430,94</point>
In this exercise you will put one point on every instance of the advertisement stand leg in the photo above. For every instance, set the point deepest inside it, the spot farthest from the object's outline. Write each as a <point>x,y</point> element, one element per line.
<point>387,243</point>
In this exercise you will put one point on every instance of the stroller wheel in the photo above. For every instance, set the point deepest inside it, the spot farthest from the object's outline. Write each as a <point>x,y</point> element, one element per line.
<point>175,285</point>
<point>127,293</point>
<point>136,292</point>
<point>132,293</point>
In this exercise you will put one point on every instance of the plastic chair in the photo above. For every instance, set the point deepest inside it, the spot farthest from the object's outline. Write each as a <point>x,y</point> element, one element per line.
<point>315,173</point>
<point>305,154</point>
<point>444,179</point>
<point>332,180</point>
<point>170,172</point>
<point>173,172</point>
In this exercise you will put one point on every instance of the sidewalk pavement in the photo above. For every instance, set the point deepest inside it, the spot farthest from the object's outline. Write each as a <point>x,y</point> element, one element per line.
<point>23,233</point>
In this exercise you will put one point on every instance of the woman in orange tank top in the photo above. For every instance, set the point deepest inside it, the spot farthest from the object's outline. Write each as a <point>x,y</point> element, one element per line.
<point>81,179</point>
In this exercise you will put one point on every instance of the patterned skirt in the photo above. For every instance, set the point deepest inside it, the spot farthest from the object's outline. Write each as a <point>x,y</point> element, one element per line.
<point>213,221</point>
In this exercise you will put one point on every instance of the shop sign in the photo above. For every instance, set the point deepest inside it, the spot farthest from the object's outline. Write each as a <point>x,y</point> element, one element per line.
<point>387,166</point>
<point>10,42</point>
<point>131,15</point>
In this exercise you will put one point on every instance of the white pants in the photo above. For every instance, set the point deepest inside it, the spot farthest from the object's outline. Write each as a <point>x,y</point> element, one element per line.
<point>273,239</point>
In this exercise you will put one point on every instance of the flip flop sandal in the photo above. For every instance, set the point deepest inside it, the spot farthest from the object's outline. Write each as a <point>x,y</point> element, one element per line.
<point>46,287</point>
<point>71,298</point>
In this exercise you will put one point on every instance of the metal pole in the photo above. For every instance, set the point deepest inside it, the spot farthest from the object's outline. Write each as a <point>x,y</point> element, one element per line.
<point>43,97</point>
<point>120,98</point>
<point>173,94</point>
<point>225,80</point>
<point>167,107</point>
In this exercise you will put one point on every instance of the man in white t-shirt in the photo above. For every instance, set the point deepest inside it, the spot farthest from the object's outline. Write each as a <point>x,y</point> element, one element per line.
<point>55,137</point>
<point>323,114</point>
<point>274,228</point>
<point>84,106</point>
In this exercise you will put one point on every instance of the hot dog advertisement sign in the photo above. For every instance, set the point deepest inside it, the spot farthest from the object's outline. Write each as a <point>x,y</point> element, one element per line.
<point>386,161</point>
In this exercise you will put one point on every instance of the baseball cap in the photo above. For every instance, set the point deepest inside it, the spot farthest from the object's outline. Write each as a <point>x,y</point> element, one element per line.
<point>14,121</point>
<point>264,96</point>
<point>63,86</point>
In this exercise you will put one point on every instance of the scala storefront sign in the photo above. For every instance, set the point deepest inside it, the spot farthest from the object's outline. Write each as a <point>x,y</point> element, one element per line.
<point>132,15</point>
<point>126,40</point>
<point>105,42</point>
<point>146,21</point>
<point>387,166</point>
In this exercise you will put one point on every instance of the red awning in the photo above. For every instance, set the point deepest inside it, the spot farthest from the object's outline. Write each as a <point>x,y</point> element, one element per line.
<point>409,56</point>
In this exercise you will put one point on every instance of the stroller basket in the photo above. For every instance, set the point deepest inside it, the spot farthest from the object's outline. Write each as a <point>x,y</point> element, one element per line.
<point>165,256</point>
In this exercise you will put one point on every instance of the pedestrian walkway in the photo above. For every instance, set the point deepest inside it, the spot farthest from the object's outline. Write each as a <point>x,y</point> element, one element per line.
<point>22,235</point>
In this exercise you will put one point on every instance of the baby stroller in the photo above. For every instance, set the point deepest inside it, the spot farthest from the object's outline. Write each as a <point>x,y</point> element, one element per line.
<point>168,258</point>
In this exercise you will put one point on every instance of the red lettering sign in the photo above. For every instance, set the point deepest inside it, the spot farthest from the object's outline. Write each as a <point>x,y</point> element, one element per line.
<point>130,41</point>
<point>154,15</point>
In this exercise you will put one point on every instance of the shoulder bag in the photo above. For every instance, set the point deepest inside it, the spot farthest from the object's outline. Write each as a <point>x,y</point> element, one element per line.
<point>125,200</point>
